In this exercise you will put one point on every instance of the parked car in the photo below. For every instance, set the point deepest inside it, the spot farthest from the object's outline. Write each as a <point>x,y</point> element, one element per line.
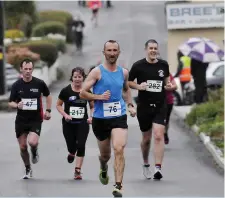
<point>11,74</point>
<point>215,75</point>
<point>214,78</point>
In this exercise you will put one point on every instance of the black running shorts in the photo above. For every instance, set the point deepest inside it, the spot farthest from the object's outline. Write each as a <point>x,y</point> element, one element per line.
<point>27,127</point>
<point>150,113</point>
<point>102,127</point>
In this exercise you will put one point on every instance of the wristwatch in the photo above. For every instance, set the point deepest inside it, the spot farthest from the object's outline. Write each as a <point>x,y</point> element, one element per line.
<point>49,110</point>
<point>130,104</point>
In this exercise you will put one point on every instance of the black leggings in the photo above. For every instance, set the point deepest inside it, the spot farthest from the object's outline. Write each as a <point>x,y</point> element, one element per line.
<point>168,112</point>
<point>76,137</point>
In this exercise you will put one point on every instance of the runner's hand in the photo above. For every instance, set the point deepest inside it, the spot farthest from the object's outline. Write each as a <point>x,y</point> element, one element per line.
<point>168,86</point>
<point>47,115</point>
<point>143,86</point>
<point>67,117</point>
<point>20,105</point>
<point>132,111</point>
<point>89,120</point>
<point>106,95</point>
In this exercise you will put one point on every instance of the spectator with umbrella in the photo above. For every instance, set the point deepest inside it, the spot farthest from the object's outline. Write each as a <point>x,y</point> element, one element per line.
<point>202,51</point>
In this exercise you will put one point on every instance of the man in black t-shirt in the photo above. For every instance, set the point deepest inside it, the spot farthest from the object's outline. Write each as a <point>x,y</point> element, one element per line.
<point>26,96</point>
<point>152,76</point>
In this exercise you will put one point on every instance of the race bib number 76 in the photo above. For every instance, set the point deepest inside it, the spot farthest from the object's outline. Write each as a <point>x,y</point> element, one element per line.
<point>112,109</point>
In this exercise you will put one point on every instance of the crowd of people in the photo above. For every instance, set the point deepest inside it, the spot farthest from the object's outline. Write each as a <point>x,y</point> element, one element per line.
<point>106,90</point>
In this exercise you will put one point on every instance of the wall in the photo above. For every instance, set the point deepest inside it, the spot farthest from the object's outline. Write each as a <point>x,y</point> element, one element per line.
<point>49,75</point>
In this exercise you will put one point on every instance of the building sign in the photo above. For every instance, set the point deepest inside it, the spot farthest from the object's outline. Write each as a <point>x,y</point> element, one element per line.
<point>193,15</point>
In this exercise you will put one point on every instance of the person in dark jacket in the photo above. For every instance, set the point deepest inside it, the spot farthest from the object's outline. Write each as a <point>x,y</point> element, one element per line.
<point>77,27</point>
<point>198,71</point>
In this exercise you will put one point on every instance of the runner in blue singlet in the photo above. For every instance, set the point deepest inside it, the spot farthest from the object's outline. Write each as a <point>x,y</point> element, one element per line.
<point>109,81</point>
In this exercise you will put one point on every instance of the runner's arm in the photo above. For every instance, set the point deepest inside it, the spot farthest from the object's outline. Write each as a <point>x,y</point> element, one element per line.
<point>60,101</point>
<point>134,85</point>
<point>48,102</point>
<point>132,77</point>
<point>13,104</point>
<point>59,107</point>
<point>167,73</point>
<point>91,105</point>
<point>174,85</point>
<point>46,93</point>
<point>88,84</point>
<point>13,98</point>
<point>126,88</point>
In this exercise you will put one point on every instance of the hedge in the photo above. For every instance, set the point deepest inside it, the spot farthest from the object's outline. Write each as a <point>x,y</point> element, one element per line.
<point>47,50</point>
<point>60,44</point>
<point>55,15</point>
<point>209,117</point>
<point>61,16</point>
<point>43,29</point>
<point>14,33</point>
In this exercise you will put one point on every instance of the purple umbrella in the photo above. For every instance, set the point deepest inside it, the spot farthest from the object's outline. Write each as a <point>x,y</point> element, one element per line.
<point>202,49</point>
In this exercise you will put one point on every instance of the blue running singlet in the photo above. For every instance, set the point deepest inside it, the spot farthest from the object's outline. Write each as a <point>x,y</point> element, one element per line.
<point>112,81</point>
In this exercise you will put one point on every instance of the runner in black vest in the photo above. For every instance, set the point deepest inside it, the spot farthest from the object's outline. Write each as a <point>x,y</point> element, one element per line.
<point>26,96</point>
<point>152,76</point>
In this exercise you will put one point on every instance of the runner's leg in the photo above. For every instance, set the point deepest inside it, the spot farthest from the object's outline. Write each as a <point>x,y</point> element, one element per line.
<point>82,134</point>
<point>119,141</point>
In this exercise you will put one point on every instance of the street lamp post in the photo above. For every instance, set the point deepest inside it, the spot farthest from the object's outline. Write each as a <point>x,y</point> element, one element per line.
<point>2,50</point>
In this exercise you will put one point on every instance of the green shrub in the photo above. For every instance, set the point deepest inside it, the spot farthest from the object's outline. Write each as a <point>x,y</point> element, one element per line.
<point>216,133</point>
<point>55,15</point>
<point>60,44</point>
<point>15,10</point>
<point>14,33</point>
<point>48,51</point>
<point>215,95</point>
<point>205,112</point>
<point>61,16</point>
<point>216,130</point>
<point>43,29</point>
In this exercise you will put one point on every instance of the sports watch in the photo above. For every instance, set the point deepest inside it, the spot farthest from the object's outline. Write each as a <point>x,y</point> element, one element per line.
<point>49,110</point>
<point>130,104</point>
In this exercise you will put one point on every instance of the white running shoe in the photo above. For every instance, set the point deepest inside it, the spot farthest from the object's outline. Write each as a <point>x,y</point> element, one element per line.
<point>146,171</point>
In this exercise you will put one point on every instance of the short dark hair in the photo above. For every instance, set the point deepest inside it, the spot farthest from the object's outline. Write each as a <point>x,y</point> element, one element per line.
<point>111,41</point>
<point>150,41</point>
<point>26,61</point>
<point>78,69</point>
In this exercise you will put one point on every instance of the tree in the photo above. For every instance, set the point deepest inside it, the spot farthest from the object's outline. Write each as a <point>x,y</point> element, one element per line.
<point>15,10</point>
